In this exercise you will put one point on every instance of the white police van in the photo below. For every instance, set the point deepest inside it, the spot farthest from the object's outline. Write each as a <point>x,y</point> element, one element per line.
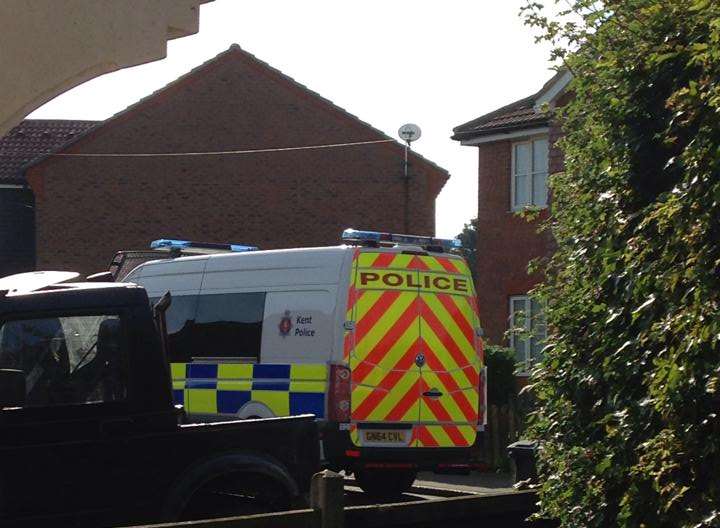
<point>379,338</point>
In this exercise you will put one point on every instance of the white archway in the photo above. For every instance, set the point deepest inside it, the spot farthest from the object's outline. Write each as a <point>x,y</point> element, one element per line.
<point>50,46</point>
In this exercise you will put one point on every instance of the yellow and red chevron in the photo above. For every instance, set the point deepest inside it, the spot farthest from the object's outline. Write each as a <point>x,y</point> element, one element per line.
<point>393,324</point>
<point>444,435</point>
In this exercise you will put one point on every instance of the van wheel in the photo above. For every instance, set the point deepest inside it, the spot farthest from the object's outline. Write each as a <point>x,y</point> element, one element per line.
<point>385,483</point>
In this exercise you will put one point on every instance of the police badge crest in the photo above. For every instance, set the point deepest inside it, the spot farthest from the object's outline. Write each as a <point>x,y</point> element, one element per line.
<point>285,325</point>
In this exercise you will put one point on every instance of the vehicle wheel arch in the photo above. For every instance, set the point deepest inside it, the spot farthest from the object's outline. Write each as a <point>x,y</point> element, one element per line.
<point>254,408</point>
<point>200,474</point>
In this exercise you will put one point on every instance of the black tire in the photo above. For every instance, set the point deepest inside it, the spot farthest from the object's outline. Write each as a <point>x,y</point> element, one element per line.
<point>232,495</point>
<point>385,483</point>
<point>231,484</point>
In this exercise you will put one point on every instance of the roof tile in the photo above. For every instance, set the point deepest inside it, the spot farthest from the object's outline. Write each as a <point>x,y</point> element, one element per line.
<point>32,139</point>
<point>518,115</point>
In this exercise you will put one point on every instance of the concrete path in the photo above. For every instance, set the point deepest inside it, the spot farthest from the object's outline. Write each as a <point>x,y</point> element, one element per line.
<point>473,483</point>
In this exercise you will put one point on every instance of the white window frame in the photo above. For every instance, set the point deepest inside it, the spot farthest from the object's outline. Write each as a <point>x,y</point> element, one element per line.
<point>525,364</point>
<point>531,176</point>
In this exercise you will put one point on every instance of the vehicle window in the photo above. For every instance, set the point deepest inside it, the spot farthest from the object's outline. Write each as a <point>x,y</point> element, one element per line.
<point>229,325</point>
<point>180,321</point>
<point>67,360</point>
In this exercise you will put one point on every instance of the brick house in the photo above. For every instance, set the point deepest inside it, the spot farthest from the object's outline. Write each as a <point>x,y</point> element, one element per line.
<point>24,143</point>
<point>516,152</point>
<point>88,204</point>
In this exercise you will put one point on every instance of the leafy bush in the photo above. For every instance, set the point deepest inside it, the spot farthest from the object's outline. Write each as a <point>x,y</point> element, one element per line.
<point>628,391</point>
<point>500,362</point>
<point>468,239</point>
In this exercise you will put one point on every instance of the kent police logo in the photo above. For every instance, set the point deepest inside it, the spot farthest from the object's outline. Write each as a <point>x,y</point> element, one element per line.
<point>285,325</point>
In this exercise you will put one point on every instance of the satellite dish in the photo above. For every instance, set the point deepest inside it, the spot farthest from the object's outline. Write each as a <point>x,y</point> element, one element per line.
<point>410,132</point>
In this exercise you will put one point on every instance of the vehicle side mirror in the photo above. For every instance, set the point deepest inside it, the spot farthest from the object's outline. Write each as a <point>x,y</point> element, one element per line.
<point>12,388</point>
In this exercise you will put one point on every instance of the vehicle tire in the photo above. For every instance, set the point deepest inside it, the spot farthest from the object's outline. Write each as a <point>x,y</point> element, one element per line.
<point>385,483</point>
<point>232,495</point>
<point>230,484</point>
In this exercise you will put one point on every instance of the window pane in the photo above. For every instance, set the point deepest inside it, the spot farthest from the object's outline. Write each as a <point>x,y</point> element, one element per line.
<point>539,197</point>
<point>522,196</point>
<point>536,346</point>
<point>180,320</point>
<point>522,158</point>
<point>229,325</point>
<point>537,324</point>
<point>518,308</point>
<point>519,330</point>
<point>538,328</point>
<point>67,360</point>
<point>540,155</point>
<point>520,345</point>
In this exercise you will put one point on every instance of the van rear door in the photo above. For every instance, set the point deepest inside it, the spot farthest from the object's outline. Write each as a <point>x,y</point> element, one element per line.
<point>386,382</point>
<point>450,374</point>
<point>415,369</point>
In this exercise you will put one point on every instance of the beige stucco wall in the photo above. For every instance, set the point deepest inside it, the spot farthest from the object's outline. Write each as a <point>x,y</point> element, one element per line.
<point>50,46</point>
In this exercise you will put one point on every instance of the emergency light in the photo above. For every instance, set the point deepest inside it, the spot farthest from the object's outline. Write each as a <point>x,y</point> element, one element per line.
<point>189,246</point>
<point>376,238</point>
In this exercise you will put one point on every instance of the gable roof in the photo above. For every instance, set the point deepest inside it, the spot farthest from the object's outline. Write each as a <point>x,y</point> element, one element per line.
<point>235,51</point>
<point>34,138</point>
<point>528,112</point>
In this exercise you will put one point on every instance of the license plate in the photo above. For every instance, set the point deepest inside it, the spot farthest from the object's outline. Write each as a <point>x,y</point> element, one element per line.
<point>385,436</point>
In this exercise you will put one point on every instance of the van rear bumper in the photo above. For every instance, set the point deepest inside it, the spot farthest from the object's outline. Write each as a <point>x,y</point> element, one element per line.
<point>340,452</point>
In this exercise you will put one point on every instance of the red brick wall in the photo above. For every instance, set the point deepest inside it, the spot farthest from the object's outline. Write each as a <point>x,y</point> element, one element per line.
<point>506,242</point>
<point>87,208</point>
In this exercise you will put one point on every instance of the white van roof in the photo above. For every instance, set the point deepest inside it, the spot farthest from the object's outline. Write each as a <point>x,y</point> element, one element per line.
<point>295,266</point>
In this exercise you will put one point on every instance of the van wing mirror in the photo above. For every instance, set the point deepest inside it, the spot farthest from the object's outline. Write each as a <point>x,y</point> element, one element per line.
<point>12,388</point>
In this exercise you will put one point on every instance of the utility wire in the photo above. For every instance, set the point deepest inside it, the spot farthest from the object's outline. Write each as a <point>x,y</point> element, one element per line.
<point>217,153</point>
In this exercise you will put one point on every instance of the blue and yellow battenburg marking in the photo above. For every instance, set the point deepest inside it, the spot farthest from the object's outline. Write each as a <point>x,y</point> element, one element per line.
<point>224,388</point>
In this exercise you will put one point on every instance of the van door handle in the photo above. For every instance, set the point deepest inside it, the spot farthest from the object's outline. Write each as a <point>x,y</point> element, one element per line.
<point>432,393</point>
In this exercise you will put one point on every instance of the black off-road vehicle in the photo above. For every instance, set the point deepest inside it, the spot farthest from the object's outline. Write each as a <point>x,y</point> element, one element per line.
<point>89,434</point>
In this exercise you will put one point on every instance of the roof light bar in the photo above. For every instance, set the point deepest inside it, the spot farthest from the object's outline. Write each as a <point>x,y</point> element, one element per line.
<point>202,248</point>
<point>377,238</point>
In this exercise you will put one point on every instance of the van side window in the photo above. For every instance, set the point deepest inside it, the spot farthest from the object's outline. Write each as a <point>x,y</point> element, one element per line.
<point>229,325</point>
<point>180,320</point>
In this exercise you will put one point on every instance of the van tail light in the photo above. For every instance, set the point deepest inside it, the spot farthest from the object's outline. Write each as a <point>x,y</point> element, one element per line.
<point>339,394</point>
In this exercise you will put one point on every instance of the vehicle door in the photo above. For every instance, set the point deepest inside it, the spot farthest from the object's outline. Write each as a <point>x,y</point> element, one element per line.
<point>451,365</point>
<point>385,349</point>
<point>55,450</point>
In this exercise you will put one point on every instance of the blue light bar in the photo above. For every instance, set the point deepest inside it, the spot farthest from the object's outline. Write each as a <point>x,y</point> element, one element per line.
<point>189,246</point>
<point>377,238</point>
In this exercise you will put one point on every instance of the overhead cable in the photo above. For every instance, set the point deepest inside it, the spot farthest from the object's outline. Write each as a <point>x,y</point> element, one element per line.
<point>215,153</point>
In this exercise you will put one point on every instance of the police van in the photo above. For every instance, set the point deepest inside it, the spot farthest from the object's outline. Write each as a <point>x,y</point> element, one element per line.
<point>378,337</point>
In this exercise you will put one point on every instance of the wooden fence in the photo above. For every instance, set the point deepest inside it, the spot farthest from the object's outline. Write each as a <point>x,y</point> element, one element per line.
<point>328,511</point>
<point>503,428</point>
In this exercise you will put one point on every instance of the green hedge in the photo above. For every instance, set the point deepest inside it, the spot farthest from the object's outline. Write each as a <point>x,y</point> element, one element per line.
<point>502,387</point>
<point>629,411</point>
